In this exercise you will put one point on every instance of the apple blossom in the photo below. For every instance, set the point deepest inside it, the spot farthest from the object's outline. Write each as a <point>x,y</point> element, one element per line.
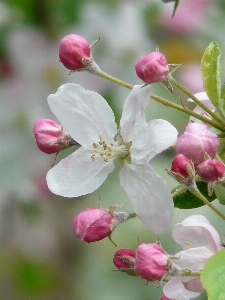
<point>200,241</point>
<point>196,141</point>
<point>87,117</point>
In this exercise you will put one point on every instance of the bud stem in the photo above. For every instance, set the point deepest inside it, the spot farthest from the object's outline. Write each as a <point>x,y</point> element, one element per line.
<point>165,102</point>
<point>111,78</point>
<point>197,193</point>
<point>199,103</point>
<point>187,111</point>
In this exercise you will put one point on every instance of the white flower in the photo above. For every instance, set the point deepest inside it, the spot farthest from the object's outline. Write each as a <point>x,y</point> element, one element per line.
<point>199,240</point>
<point>87,117</point>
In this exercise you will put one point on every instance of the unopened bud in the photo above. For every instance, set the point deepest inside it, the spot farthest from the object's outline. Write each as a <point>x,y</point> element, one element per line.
<point>152,68</point>
<point>165,298</point>
<point>211,170</point>
<point>196,141</point>
<point>50,136</point>
<point>73,49</point>
<point>151,262</point>
<point>124,260</point>
<point>180,165</point>
<point>94,224</point>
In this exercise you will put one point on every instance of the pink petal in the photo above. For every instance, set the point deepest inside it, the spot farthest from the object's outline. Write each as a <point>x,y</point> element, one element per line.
<point>174,289</point>
<point>196,231</point>
<point>193,259</point>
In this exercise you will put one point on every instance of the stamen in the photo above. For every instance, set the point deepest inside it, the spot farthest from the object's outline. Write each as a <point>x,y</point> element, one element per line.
<point>109,151</point>
<point>188,243</point>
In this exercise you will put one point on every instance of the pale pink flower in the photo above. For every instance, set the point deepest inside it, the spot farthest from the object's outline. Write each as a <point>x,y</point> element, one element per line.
<point>196,140</point>
<point>200,241</point>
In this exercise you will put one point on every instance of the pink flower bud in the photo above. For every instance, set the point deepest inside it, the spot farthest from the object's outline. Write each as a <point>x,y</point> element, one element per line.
<point>152,67</point>
<point>124,259</point>
<point>94,224</point>
<point>164,298</point>
<point>50,136</point>
<point>151,262</point>
<point>211,170</point>
<point>72,49</point>
<point>196,140</point>
<point>179,165</point>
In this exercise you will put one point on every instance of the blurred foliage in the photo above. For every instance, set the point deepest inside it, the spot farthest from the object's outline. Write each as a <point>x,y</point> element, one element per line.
<point>49,15</point>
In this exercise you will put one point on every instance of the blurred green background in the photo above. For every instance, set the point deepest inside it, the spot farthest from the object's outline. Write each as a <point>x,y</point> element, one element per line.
<point>40,259</point>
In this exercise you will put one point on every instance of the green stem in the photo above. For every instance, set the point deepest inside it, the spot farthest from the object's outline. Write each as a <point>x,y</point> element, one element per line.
<point>179,191</point>
<point>113,79</point>
<point>187,111</point>
<point>189,273</point>
<point>190,95</point>
<point>197,193</point>
<point>132,215</point>
<point>167,102</point>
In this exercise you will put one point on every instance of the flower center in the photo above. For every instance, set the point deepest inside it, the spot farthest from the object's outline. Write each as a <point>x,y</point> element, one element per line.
<point>109,151</point>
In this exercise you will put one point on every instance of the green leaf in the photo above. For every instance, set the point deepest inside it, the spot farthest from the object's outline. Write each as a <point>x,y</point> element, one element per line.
<point>222,97</point>
<point>187,200</point>
<point>219,190</point>
<point>213,276</point>
<point>210,69</point>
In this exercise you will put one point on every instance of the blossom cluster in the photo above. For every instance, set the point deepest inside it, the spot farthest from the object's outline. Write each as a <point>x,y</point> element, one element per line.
<point>87,123</point>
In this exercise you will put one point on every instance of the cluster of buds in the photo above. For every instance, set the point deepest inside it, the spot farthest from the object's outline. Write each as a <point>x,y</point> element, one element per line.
<point>196,154</point>
<point>50,136</point>
<point>199,240</point>
<point>149,261</point>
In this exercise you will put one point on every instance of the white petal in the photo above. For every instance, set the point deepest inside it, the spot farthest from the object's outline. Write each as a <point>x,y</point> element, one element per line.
<point>174,289</point>
<point>196,231</point>
<point>78,175</point>
<point>193,259</point>
<point>133,116</point>
<point>157,136</point>
<point>149,196</point>
<point>83,114</point>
